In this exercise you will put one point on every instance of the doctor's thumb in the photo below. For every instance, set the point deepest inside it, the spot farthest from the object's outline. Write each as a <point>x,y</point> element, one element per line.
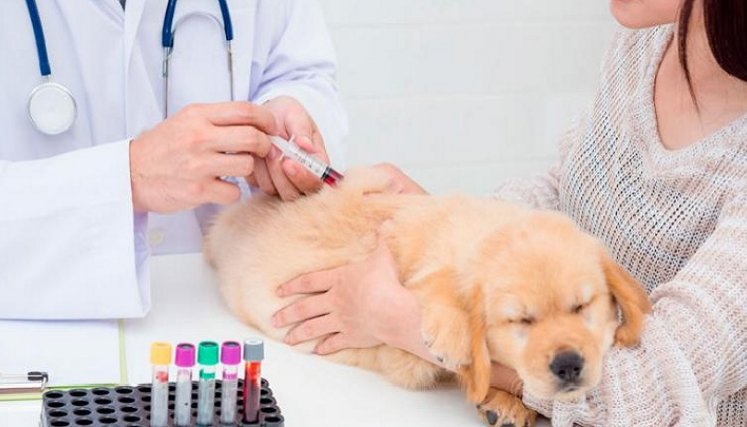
<point>301,128</point>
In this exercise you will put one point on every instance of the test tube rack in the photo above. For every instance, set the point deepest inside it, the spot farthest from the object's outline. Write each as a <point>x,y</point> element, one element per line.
<point>127,406</point>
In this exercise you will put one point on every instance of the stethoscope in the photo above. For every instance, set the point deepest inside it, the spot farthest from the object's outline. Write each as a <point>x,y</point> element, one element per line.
<point>51,106</point>
<point>167,42</point>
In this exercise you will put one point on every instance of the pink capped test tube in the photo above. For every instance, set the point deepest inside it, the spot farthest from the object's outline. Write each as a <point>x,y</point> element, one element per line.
<point>230,357</point>
<point>184,360</point>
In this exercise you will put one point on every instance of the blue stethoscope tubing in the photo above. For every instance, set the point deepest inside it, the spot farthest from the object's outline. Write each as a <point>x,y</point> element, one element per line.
<point>41,44</point>
<point>51,106</point>
<point>167,43</point>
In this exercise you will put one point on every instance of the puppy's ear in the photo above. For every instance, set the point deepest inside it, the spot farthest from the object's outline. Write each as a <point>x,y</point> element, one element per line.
<point>476,376</point>
<point>630,297</point>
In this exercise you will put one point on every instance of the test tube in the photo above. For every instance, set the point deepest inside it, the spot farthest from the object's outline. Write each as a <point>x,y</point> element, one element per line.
<point>207,357</point>
<point>160,358</point>
<point>254,353</point>
<point>230,357</point>
<point>185,360</point>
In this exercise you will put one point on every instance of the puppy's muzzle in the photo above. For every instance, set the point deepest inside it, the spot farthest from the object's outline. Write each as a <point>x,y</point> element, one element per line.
<point>567,367</point>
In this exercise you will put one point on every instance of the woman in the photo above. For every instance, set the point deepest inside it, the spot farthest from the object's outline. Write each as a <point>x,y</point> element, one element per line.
<point>657,169</point>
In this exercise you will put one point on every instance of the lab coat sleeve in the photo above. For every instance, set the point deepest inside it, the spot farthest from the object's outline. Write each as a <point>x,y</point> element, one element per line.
<point>302,64</point>
<point>70,244</point>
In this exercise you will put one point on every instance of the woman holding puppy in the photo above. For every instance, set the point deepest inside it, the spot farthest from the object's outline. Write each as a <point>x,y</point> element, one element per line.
<point>657,169</point>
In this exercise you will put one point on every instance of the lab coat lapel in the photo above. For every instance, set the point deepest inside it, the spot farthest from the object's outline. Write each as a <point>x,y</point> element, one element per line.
<point>142,104</point>
<point>133,17</point>
<point>243,15</point>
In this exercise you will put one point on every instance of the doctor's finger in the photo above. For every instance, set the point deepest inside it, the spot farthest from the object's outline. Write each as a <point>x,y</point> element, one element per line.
<point>306,135</point>
<point>318,281</point>
<point>314,143</point>
<point>301,178</point>
<point>304,309</point>
<point>240,139</point>
<point>237,113</point>
<point>262,177</point>
<point>298,124</point>
<point>232,165</point>
<point>297,174</point>
<point>218,191</point>
<point>286,189</point>
<point>312,329</point>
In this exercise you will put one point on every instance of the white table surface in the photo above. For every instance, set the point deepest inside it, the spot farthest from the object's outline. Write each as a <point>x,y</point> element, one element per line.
<point>310,391</point>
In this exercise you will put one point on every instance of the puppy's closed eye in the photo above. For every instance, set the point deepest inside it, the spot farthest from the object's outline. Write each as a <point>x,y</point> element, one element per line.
<point>523,321</point>
<point>578,308</point>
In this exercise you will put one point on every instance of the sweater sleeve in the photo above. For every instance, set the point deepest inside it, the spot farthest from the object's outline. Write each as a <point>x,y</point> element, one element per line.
<point>692,353</point>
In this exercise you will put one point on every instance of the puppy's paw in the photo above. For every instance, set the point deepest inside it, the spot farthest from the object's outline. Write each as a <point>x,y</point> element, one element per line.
<point>447,336</point>
<point>505,410</point>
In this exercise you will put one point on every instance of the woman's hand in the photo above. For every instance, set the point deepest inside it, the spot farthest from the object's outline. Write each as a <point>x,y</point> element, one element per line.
<point>399,182</point>
<point>358,305</point>
<point>354,306</point>
<point>506,379</point>
<point>284,177</point>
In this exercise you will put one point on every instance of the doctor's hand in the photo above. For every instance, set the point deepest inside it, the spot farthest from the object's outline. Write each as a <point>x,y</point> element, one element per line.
<point>177,165</point>
<point>284,177</point>
<point>353,306</point>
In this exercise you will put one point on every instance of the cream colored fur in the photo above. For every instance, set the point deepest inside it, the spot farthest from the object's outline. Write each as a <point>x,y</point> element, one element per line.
<point>463,257</point>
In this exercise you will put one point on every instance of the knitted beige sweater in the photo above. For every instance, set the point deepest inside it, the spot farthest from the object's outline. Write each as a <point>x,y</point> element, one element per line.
<point>677,220</point>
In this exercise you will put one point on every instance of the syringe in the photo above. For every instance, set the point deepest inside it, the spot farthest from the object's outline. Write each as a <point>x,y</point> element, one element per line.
<point>317,167</point>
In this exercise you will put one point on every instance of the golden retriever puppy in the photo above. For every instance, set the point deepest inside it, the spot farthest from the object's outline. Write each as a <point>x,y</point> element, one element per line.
<point>496,282</point>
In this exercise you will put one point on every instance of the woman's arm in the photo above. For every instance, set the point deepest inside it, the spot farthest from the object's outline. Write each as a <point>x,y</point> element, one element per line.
<point>692,353</point>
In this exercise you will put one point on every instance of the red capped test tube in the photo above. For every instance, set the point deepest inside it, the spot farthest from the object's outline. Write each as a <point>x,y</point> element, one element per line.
<point>254,353</point>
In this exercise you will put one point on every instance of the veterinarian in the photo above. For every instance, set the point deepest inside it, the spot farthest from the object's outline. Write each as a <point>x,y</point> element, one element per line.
<point>109,153</point>
<point>656,169</point>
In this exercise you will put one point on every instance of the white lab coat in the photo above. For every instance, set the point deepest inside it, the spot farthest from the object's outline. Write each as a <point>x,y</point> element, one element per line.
<point>70,245</point>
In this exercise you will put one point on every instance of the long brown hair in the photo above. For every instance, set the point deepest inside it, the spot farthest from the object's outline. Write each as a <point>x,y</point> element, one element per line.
<point>726,29</point>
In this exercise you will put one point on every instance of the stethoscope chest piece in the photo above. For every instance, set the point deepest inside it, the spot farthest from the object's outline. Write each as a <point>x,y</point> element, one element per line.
<point>51,108</point>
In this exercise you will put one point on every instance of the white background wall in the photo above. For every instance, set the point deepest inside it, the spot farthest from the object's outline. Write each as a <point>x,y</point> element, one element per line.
<point>464,93</point>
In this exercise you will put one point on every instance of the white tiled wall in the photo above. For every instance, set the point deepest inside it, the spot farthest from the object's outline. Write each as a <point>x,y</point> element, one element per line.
<point>464,93</point>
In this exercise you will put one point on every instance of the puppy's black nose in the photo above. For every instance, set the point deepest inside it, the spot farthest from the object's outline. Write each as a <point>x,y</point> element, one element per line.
<point>567,366</point>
